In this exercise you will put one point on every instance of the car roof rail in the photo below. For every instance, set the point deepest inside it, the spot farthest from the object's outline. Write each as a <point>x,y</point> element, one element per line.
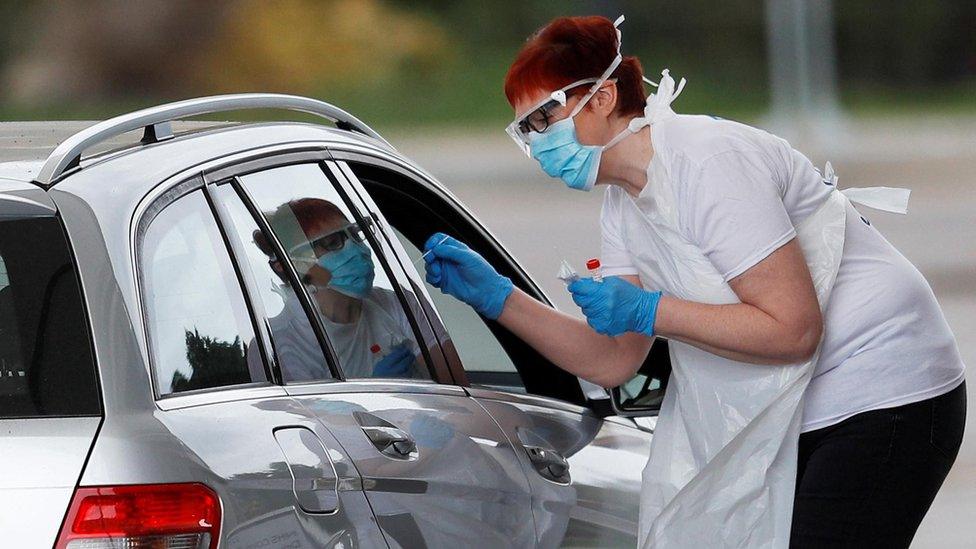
<point>155,122</point>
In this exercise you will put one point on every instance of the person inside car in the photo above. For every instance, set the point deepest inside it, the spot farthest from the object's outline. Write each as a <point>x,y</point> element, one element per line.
<point>366,324</point>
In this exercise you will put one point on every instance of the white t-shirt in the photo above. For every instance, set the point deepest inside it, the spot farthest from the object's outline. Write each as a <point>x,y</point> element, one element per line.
<point>381,322</point>
<point>739,192</point>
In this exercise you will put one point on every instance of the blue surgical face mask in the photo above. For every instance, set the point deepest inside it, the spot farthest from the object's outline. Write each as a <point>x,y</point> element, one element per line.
<point>351,267</point>
<point>561,155</point>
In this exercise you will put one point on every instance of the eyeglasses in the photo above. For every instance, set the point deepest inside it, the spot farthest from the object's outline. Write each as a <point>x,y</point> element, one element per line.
<point>540,116</point>
<point>333,241</point>
<point>539,119</point>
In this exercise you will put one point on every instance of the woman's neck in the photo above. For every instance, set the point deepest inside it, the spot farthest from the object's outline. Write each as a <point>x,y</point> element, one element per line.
<point>625,164</point>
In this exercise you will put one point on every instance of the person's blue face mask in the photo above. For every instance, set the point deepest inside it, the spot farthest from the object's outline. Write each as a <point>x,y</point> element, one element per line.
<point>561,155</point>
<point>351,267</point>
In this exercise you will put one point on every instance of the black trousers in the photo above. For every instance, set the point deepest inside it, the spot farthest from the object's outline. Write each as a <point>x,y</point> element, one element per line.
<point>868,481</point>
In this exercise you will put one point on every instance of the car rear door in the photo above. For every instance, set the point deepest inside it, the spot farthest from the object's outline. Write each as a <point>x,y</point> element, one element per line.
<point>584,464</point>
<point>282,477</point>
<point>437,470</point>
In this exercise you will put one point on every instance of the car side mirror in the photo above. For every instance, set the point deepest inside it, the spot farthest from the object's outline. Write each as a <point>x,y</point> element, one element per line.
<point>643,394</point>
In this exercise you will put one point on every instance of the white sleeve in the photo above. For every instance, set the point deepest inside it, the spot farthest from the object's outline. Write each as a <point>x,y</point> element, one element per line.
<point>614,257</point>
<point>733,211</point>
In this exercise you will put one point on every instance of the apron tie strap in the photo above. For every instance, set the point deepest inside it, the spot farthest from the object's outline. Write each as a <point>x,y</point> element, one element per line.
<point>658,106</point>
<point>888,199</point>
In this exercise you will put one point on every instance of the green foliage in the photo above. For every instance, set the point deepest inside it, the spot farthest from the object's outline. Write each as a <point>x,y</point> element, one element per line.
<point>397,63</point>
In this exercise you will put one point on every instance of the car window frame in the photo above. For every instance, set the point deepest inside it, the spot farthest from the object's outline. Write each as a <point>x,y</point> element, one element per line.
<point>439,364</point>
<point>145,220</point>
<point>572,393</point>
<point>318,157</point>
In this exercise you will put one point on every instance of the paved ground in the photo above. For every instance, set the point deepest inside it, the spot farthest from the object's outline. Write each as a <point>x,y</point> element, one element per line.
<point>543,222</point>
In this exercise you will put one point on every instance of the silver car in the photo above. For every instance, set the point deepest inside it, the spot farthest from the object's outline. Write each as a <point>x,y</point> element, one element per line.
<point>216,335</point>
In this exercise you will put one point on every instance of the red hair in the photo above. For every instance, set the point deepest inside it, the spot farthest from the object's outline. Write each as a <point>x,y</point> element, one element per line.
<point>310,214</point>
<point>313,212</point>
<point>570,49</point>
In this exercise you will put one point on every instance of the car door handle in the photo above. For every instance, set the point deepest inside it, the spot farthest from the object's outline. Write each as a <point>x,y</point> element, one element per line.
<point>391,441</point>
<point>549,463</point>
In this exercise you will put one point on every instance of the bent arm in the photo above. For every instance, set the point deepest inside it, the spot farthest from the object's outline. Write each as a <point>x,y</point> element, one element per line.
<point>571,344</point>
<point>777,322</point>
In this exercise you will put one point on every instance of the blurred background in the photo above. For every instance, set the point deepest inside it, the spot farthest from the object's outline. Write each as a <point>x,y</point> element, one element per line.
<point>437,62</point>
<point>885,90</point>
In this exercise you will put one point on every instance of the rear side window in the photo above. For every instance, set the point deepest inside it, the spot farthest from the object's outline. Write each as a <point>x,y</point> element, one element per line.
<point>200,330</point>
<point>350,290</point>
<point>46,364</point>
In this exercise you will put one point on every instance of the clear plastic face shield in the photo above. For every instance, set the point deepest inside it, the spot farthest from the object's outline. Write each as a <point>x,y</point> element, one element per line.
<point>539,117</point>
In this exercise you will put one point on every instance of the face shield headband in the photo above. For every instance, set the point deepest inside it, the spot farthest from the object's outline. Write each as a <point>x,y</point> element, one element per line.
<point>515,129</point>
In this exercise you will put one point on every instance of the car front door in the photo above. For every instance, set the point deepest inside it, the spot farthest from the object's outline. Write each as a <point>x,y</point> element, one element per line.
<point>436,469</point>
<point>583,463</point>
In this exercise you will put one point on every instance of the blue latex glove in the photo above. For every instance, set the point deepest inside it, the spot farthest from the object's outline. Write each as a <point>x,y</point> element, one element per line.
<point>459,271</point>
<point>615,306</point>
<point>396,364</point>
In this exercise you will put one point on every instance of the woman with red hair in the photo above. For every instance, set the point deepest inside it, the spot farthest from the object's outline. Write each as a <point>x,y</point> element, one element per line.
<point>786,311</point>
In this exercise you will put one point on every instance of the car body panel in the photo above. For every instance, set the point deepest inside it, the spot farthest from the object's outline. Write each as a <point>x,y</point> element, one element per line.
<point>42,460</point>
<point>232,447</point>
<point>464,484</point>
<point>598,506</point>
<point>22,199</point>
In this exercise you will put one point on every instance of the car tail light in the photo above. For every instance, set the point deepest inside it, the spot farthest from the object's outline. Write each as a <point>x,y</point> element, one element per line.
<point>171,516</point>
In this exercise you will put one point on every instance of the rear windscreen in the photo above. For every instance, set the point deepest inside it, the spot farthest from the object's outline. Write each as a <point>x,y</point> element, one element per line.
<point>46,366</point>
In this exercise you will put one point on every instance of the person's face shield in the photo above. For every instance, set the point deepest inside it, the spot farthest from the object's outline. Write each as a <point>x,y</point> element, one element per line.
<point>540,116</point>
<point>306,253</point>
<point>332,241</point>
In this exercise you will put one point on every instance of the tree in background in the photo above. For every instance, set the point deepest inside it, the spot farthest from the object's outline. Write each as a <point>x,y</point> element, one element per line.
<point>176,48</point>
<point>308,47</point>
<point>434,61</point>
<point>213,363</point>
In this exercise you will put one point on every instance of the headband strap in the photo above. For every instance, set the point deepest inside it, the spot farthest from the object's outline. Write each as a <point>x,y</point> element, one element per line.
<point>606,74</point>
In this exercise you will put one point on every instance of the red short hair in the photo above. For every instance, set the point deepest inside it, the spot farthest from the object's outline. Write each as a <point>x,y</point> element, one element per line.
<point>570,49</point>
<point>310,213</point>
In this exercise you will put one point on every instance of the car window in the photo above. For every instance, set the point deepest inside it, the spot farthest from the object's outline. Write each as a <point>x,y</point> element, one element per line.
<point>484,359</point>
<point>351,293</point>
<point>295,343</point>
<point>200,332</point>
<point>416,209</point>
<point>46,363</point>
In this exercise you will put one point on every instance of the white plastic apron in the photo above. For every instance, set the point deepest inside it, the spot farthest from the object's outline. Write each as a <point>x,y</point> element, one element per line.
<point>722,466</point>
